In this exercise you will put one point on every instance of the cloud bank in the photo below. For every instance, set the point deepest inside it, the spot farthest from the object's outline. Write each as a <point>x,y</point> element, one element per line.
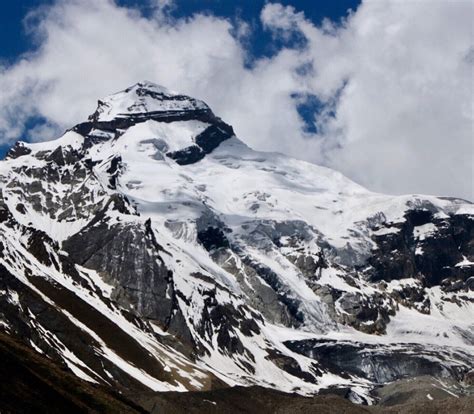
<point>391,86</point>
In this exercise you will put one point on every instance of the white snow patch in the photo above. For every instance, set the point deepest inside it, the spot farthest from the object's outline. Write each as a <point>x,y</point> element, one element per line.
<point>424,231</point>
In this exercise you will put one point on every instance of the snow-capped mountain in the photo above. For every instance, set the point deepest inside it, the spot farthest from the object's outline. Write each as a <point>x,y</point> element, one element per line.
<point>149,248</point>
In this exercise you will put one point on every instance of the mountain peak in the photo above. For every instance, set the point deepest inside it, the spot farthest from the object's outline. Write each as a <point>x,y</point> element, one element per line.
<point>144,98</point>
<point>150,86</point>
<point>146,101</point>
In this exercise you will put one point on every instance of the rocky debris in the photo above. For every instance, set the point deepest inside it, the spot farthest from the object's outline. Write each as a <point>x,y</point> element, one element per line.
<point>422,389</point>
<point>253,400</point>
<point>263,400</point>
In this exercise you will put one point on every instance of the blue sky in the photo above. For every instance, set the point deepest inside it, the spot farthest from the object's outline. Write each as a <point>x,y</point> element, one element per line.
<point>382,94</point>
<point>14,40</point>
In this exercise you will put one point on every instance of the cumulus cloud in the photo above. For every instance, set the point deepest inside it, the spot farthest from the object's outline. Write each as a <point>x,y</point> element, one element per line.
<point>392,82</point>
<point>403,119</point>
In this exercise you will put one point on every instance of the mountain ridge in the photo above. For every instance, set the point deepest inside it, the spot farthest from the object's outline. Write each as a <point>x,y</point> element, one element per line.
<point>217,265</point>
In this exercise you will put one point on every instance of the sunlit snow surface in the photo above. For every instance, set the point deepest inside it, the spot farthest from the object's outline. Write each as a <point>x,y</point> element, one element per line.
<point>131,101</point>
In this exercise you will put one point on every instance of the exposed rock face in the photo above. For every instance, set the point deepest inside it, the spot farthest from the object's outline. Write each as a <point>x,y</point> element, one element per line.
<point>129,258</point>
<point>206,142</point>
<point>374,363</point>
<point>149,249</point>
<point>18,150</point>
<point>428,246</point>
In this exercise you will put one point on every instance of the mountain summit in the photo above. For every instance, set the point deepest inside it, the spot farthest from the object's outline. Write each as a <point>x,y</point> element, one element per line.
<point>145,99</point>
<point>193,130</point>
<point>149,249</point>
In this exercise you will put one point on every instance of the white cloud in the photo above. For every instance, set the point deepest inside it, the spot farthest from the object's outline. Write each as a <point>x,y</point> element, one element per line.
<point>402,121</point>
